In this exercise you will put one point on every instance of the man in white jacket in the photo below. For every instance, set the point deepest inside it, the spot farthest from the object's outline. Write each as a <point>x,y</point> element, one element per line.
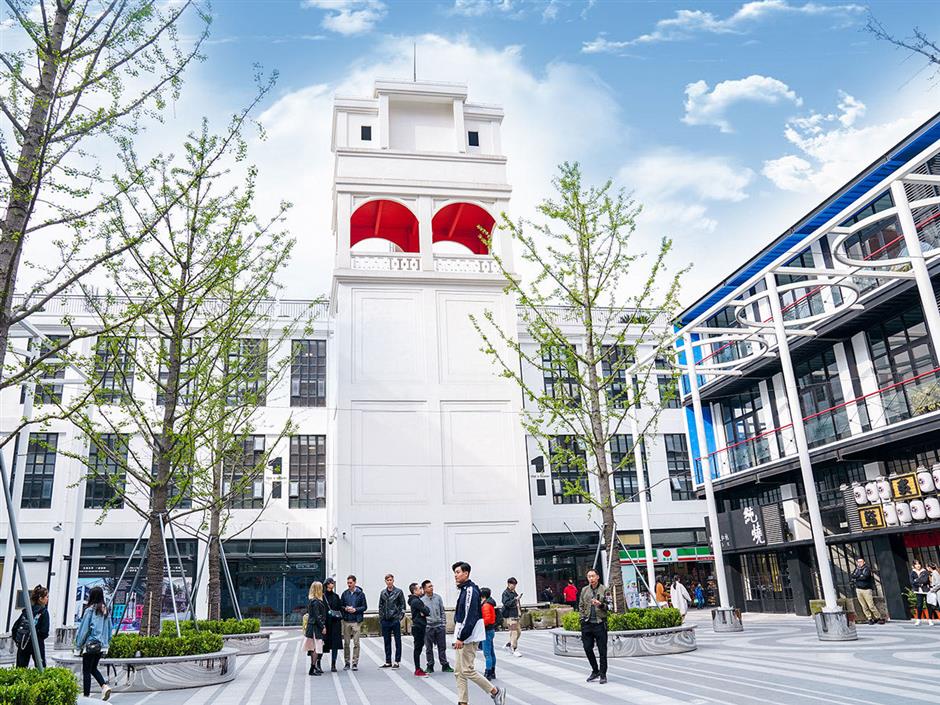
<point>469,631</point>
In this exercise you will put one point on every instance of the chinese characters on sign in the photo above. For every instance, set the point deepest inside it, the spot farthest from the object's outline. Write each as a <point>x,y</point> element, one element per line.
<point>872,517</point>
<point>742,528</point>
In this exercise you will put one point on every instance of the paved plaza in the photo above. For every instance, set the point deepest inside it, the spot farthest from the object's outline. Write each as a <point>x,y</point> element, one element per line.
<point>777,661</point>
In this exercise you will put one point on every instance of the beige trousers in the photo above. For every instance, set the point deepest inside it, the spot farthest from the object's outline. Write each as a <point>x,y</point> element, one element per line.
<point>868,603</point>
<point>514,624</point>
<point>464,671</point>
<point>351,631</point>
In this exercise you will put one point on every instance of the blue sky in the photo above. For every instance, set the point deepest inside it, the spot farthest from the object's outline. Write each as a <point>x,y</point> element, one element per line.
<point>729,120</point>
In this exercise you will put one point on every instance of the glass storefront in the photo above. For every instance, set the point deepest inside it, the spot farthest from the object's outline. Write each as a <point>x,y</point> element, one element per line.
<point>766,583</point>
<point>272,578</point>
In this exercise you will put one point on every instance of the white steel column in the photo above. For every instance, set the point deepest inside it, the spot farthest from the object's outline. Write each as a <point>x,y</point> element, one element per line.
<point>638,463</point>
<point>802,449</point>
<point>723,600</point>
<point>918,264</point>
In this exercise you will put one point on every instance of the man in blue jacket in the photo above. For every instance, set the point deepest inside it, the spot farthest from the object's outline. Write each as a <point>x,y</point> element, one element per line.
<point>354,607</point>
<point>469,631</point>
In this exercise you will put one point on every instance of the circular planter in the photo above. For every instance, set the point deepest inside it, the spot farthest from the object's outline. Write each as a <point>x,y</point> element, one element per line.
<point>7,649</point>
<point>256,643</point>
<point>642,642</point>
<point>138,675</point>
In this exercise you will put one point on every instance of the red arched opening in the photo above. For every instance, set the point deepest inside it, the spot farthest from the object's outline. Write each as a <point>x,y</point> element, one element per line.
<point>387,220</point>
<point>461,222</point>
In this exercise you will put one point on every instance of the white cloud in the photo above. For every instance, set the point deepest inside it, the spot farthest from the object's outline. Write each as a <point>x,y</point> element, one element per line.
<point>676,188</point>
<point>295,162</point>
<point>602,45</point>
<point>688,23</point>
<point>705,106</point>
<point>349,17</point>
<point>477,8</point>
<point>832,148</point>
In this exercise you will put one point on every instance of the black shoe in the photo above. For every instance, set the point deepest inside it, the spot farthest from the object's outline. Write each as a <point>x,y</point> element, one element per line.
<point>873,621</point>
<point>603,680</point>
<point>593,677</point>
<point>355,666</point>
<point>446,669</point>
<point>881,621</point>
<point>429,669</point>
<point>387,664</point>
<point>395,665</point>
<point>346,667</point>
<point>333,668</point>
<point>312,671</point>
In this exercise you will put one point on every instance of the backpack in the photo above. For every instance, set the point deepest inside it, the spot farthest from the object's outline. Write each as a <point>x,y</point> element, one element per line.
<point>21,635</point>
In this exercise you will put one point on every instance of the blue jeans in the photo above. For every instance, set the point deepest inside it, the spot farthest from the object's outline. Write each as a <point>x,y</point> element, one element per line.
<point>489,653</point>
<point>389,630</point>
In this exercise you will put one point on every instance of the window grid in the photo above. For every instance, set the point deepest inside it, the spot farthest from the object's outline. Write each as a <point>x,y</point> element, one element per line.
<point>820,390</point>
<point>247,367</point>
<point>562,472</point>
<point>308,373</point>
<point>50,393</point>
<point>668,392</point>
<point>677,461</point>
<point>623,463</point>
<point>616,359</point>
<point>38,479</point>
<point>559,384</point>
<point>106,471</point>
<point>741,418</point>
<point>307,472</point>
<point>238,467</point>
<point>114,367</point>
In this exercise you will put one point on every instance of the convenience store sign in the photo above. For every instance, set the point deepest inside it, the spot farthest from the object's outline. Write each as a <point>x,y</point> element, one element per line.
<point>668,555</point>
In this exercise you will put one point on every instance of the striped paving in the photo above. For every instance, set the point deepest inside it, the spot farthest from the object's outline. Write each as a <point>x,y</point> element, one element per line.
<point>776,661</point>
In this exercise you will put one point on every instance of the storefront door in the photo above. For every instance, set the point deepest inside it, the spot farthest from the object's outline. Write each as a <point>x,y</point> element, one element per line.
<point>766,583</point>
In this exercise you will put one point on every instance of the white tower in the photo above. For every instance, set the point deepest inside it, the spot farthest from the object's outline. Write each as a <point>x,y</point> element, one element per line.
<point>427,463</point>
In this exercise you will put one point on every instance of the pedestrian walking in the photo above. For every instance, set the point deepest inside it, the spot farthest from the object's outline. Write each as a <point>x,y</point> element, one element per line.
<point>662,599</point>
<point>435,635</point>
<point>864,581</point>
<point>570,594</point>
<point>699,596</point>
<point>315,628</point>
<point>592,609</point>
<point>547,594</point>
<point>419,624</point>
<point>512,614</point>
<point>91,641</point>
<point>920,584</point>
<point>39,600</point>
<point>488,608</point>
<point>354,607</point>
<point>469,631</point>
<point>334,622</point>
<point>933,590</point>
<point>391,612</point>
<point>679,596</point>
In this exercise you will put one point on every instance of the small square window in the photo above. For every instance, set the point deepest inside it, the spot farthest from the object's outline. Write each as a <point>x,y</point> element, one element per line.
<point>365,133</point>
<point>473,139</point>
<point>540,488</point>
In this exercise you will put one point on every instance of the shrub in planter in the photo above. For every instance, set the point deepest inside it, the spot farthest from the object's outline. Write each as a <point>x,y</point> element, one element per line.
<point>190,644</point>
<point>846,603</point>
<point>213,626</point>
<point>21,686</point>
<point>542,618</point>
<point>631,620</point>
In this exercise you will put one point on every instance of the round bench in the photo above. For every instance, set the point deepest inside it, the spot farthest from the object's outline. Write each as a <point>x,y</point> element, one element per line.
<point>136,675</point>
<point>641,642</point>
<point>256,643</point>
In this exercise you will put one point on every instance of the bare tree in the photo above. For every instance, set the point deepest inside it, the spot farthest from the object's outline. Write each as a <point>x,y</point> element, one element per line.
<point>918,43</point>
<point>584,262</point>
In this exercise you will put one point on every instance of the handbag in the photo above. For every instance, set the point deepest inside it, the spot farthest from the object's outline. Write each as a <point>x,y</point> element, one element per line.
<point>92,647</point>
<point>334,614</point>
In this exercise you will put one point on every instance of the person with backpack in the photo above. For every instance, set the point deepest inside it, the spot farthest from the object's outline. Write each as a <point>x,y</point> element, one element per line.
<point>39,599</point>
<point>488,607</point>
<point>468,632</point>
<point>92,639</point>
<point>512,613</point>
<point>699,596</point>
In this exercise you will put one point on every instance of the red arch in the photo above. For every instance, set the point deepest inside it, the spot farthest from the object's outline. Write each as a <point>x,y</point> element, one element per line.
<point>388,220</point>
<point>460,222</point>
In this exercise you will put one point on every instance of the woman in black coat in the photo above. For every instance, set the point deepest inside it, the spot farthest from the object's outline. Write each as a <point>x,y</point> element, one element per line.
<point>316,628</point>
<point>39,597</point>
<point>333,641</point>
<point>920,584</point>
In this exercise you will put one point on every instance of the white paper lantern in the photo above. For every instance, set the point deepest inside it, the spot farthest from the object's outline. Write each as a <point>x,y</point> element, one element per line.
<point>884,489</point>
<point>871,491</point>
<point>859,492</point>
<point>925,480</point>
<point>935,471</point>
<point>904,513</point>
<point>932,505</point>
<point>891,514</point>
<point>918,511</point>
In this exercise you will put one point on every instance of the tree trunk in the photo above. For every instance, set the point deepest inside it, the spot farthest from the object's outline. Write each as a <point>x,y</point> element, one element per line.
<point>156,569</point>
<point>24,186</point>
<point>214,590</point>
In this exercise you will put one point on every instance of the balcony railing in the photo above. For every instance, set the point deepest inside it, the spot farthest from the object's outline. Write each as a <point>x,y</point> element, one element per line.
<point>386,261</point>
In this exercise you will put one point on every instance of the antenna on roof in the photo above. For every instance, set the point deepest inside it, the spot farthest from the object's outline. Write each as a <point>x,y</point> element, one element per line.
<point>414,62</point>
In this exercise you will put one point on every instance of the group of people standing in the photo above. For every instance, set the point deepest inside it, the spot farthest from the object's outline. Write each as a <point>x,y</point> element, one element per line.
<point>333,620</point>
<point>925,582</point>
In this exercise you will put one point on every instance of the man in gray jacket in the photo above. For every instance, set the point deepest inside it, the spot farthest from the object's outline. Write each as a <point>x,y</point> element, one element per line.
<point>436,633</point>
<point>391,612</point>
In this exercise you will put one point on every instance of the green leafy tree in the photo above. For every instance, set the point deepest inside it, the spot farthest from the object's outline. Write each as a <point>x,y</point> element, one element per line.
<point>589,281</point>
<point>202,349</point>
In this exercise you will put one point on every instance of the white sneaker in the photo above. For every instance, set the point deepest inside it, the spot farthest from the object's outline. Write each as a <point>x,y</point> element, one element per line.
<point>517,653</point>
<point>916,622</point>
<point>509,648</point>
<point>929,622</point>
<point>499,697</point>
<point>106,692</point>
